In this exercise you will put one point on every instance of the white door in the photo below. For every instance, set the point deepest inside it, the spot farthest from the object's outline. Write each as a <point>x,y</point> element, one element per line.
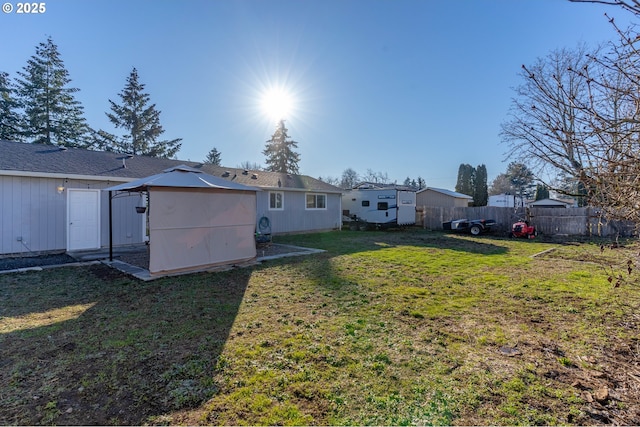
<point>83,214</point>
<point>406,207</point>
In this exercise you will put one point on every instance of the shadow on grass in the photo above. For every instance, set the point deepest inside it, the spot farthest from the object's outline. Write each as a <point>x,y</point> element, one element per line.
<point>91,346</point>
<point>349,242</point>
<point>322,269</point>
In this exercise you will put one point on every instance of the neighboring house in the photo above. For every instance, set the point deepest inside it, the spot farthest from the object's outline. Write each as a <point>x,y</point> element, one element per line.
<point>51,198</point>
<point>552,203</point>
<point>439,197</point>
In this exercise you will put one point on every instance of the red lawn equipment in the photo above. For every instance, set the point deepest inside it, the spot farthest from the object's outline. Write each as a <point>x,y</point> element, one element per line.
<point>523,229</point>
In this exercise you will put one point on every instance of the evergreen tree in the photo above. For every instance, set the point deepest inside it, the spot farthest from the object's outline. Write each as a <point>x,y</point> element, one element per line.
<point>141,123</point>
<point>466,177</point>
<point>9,117</point>
<point>522,179</point>
<point>480,189</point>
<point>51,113</point>
<point>542,192</point>
<point>421,183</point>
<point>214,157</point>
<point>279,153</point>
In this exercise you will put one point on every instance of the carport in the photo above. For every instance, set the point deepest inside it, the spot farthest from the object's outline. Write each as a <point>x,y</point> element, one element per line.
<point>195,220</point>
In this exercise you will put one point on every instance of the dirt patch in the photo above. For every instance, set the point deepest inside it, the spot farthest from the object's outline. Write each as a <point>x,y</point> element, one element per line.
<point>325,335</point>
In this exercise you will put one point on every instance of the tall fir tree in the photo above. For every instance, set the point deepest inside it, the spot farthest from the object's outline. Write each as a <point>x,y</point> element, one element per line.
<point>542,192</point>
<point>141,123</point>
<point>214,157</point>
<point>52,115</point>
<point>466,177</point>
<point>279,152</point>
<point>9,116</point>
<point>522,179</point>
<point>480,188</point>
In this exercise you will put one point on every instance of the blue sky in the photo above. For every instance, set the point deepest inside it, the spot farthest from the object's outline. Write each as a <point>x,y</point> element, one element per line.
<point>406,87</point>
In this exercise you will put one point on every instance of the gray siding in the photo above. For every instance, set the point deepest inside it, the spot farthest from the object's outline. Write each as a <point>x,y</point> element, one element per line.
<point>32,209</point>
<point>127,223</point>
<point>295,218</point>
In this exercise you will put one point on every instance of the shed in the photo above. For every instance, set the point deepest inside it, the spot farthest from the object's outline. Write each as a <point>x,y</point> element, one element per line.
<point>439,197</point>
<point>195,220</point>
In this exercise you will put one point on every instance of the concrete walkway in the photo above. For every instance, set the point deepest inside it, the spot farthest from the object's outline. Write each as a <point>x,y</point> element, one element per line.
<point>265,253</point>
<point>273,251</point>
<point>103,253</point>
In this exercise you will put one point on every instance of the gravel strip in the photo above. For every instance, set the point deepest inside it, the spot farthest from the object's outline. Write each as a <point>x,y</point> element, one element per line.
<point>138,258</point>
<point>16,263</point>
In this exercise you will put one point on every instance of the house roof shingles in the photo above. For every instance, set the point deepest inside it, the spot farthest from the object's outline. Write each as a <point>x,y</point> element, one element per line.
<point>47,159</point>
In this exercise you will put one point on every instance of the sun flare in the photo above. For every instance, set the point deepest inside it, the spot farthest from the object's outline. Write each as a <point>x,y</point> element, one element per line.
<point>277,104</point>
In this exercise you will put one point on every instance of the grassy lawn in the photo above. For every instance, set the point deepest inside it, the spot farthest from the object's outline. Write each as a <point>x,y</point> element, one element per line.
<point>385,328</point>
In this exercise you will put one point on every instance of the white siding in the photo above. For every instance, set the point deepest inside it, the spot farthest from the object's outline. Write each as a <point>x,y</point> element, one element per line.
<point>32,209</point>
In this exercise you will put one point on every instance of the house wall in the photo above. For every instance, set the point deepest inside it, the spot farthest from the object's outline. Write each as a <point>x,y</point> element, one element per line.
<point>435,198</point>
<point>32,209</point>
<point>295,218</point>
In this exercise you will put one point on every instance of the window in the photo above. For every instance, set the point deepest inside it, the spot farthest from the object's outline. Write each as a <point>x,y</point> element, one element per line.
<point>276,199</point>
<point>316,201</point>
<point>383,206</point>
<point>365,203</point>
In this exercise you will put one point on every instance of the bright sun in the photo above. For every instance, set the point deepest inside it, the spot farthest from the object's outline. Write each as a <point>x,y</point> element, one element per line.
<point>277,104</point>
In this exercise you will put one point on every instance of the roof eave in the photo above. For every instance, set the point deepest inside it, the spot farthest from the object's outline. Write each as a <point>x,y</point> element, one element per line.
<point>57,175</point>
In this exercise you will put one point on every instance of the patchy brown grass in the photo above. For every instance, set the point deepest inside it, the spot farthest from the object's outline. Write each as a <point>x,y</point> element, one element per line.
<point>402,327</point>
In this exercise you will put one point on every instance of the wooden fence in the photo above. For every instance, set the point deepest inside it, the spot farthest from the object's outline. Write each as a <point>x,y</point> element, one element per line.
<point>548,221</point>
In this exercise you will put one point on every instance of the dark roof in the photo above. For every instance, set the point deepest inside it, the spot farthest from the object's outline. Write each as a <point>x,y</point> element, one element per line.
<point>50,159</point>
<point>269,179</point>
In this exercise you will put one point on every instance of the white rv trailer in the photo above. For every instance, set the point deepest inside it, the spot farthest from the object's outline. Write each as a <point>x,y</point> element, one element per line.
<point>380,206</point>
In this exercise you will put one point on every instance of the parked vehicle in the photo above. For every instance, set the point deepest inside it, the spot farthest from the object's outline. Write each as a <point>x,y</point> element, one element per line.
<point>472,226</point>
<point>523,229</point>
<point>379,206</point>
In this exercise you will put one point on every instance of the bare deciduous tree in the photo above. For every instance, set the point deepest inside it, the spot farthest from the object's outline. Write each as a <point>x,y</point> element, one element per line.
<point>545,129</point>
<point>630,5</point>
<point>578,115</point>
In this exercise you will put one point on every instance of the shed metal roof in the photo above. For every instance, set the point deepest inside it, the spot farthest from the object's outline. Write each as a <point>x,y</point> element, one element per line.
<point>447,192</point>
<point>181,177</point>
